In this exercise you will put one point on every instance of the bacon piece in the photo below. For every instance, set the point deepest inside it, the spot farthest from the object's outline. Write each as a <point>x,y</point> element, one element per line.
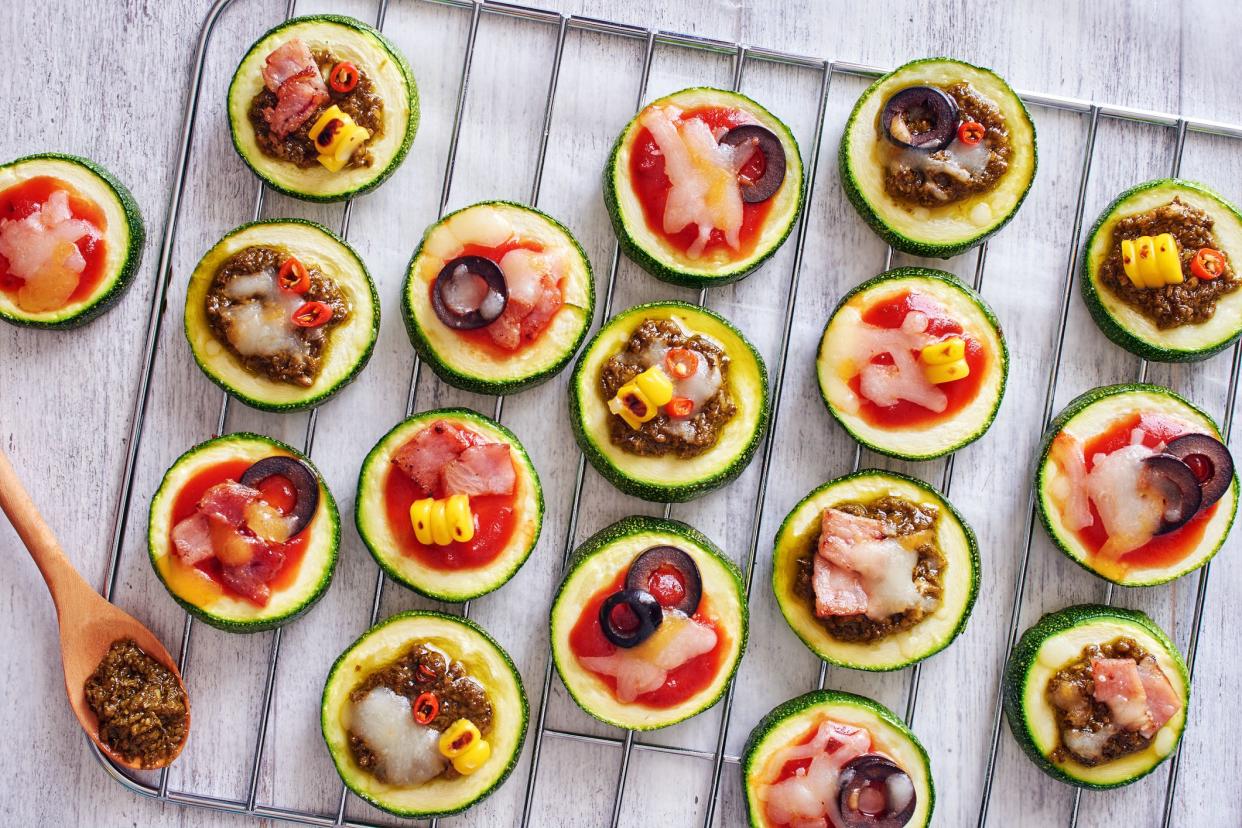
<point>192,539</point>
<point>252,580</point>
<point>227,501</point>
<point>1118,685</point>
<point>534,297</point>
<point>859,570</point>
<point>293,76</point>
<point>429,451</point>
<point>1070,491</point>
<point>1162,701</point>
<point>837,591</point>
<point>484,469</point>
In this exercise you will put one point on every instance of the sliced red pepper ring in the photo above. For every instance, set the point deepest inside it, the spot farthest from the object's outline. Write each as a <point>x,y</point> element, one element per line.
<point>425,673</point>
<point>426,708</point>
<point>971,132</point>
<point>312,315</point>
<point>1207,263</point>
<point>293,276</point>
<point>679,407</point>
<point>343,77</point>
<point>681,362</point>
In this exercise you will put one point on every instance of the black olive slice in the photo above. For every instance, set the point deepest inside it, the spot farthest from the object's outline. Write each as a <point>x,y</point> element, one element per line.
<point>1179,487</point>
<point>304,481</point>
<point>773,160</point>
<point>875,793</point>
<point>656,563</point>
<point>469,293</point>
<point>932,111</point>
<point>630,616</point>
<point>1210,461</point>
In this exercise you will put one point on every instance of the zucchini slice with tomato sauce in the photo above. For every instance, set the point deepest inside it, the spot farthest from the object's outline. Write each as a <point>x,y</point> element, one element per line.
<point>243,533</point>
<point>703,140</point>
<point>434,456</point>
<point>71,239</point>
<point>912,364</point>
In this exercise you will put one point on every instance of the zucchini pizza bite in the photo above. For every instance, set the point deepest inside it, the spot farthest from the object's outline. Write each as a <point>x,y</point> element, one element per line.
<point>449,504</point>
<point>1135,484</point>
<point>281,314</point>
<point>498,297</point>
<point>875,571</point>
<point>1159,274</point>
<point>937,156</point>
<point>703,186</point>
<point>323,107</point>
<point>649,624</point>
<point>424,715</point>
<point>836,760</point>
<point>1096,695</point>
<point>668,401</point>
<point>243,533</point>
<point>71,240</point>
<point>912,364</point>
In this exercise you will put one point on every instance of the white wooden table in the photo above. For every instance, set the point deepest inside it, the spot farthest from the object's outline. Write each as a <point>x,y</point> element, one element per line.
<point>107,80</point>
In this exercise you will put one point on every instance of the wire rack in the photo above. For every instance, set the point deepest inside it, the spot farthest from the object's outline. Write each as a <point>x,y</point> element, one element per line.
<point>741,56</point>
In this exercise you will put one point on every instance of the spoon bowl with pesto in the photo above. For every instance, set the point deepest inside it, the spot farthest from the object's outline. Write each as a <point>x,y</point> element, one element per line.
<point>123,685</point>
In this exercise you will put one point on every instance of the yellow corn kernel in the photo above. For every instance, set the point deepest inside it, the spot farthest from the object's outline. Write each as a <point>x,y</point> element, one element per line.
<point>332,113</point>
<point>460,518</point>
<point>632,405</point>
<point>1168,260</point>
<point>939,353</point>
<point>331,164</point>
<point>420,519</point>
<point>1145,249</point>
<point>656,385</point>
<point>473,759</point>
<point>1129,262</point>
<point>440,534</point>
<point>459,738</point>
<point>947,372</point>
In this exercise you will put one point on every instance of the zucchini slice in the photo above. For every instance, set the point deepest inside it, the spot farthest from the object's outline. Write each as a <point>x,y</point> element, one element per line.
<point>387,542</point>
<point>1058,640</point>
<point>96,196</point>
<point>471,360</point>
<point>604,558</point>
<point>908,430</point>
<point>377,58</point>
<point>664,478</point>
<point>349,343</point>
<point>955,227</point>
<point>799,535</point>
<point>1134,330</point>
<point>640,229</point>
<point>203,596</point>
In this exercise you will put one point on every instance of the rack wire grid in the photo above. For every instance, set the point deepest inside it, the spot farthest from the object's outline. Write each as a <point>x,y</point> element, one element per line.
<point>821,73</point>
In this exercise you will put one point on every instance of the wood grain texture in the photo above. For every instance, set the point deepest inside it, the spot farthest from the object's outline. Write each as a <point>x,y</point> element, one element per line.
<point>109,80</point>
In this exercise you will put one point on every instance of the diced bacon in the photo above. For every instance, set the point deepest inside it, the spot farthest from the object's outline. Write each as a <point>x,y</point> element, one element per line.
<point>227,502</point>
<point>645,668</point>
<point>506,331</point>
<point>1119,687</point>
<point>1070,490</point>
<point>292,74</point>
<point>253,579</point>
<point>1162,700</point>
<point>857,564</point>
<point>429,451</point>
<point>192,539</point>
<point>285,61</point>
<point>534,296</point>
<point>837,591</point>
<point>485,469</point>
<point>550,301</point>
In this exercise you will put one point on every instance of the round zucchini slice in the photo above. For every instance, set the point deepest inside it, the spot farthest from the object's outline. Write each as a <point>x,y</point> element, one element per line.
<point>797,721</point>
<point>391,545</point>
<point>1104,419</point>
<point>906,429</point>
<point>668,477</point>
<point>799,535</point>
<point>109,264</point>
<point>1057,641</point>
<point>603,562</point>
<point>463,641</point>
<point>378,61</point>
<point>472,359</point>
<point>953,228</point>
<point>202,593</point>
<point>1131,328</point>
<point>636,199</point>
<point>349,343</point>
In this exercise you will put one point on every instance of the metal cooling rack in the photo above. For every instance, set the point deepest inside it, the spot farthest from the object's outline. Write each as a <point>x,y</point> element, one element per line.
<point>741,56</point>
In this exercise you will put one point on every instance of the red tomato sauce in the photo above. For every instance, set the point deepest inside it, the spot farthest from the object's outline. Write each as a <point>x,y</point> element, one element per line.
<point>20,200</point>
<point>586,639</point>
<point>1162,550</point>
<point>276,491</point>
<point>651,186</point>
<point>890,313</point>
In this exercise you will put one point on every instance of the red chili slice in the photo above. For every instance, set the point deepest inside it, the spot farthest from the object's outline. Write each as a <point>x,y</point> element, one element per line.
<point>426,708</point>
<point>1207,263</point>
<point>971,132</point>
<point>426,673</point>
<point>343,77</point>
<point>681,362</point>
<point>293,276</point>
<point>312,315</point>
<point>679,407</point>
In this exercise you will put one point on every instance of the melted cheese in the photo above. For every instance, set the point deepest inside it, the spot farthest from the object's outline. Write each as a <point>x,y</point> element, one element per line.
<point>885,385</point>
<point>408,753</point>
<point>262,323</point>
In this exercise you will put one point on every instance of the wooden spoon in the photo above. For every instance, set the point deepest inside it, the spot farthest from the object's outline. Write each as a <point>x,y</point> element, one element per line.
<point>88,623</point>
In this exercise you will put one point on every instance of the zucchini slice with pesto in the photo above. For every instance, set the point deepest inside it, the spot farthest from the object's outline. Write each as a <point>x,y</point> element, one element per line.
<point>424,715</point>
<point>703,186</point>
<point>1160,271</point>
<point>282,314</point>
<point>243,533</point>
<point>323,108</point>
<point>875,571</point>
<point>71,240</point>
<point>937,156</point>
<point>1136,484</point>
<point>649,623</point>
<point>449,504</point>
<point>669,401</point>
<point>1096,695</point>
<point>833,758</point>
<point>498,297</point>
<point>912,364</point>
